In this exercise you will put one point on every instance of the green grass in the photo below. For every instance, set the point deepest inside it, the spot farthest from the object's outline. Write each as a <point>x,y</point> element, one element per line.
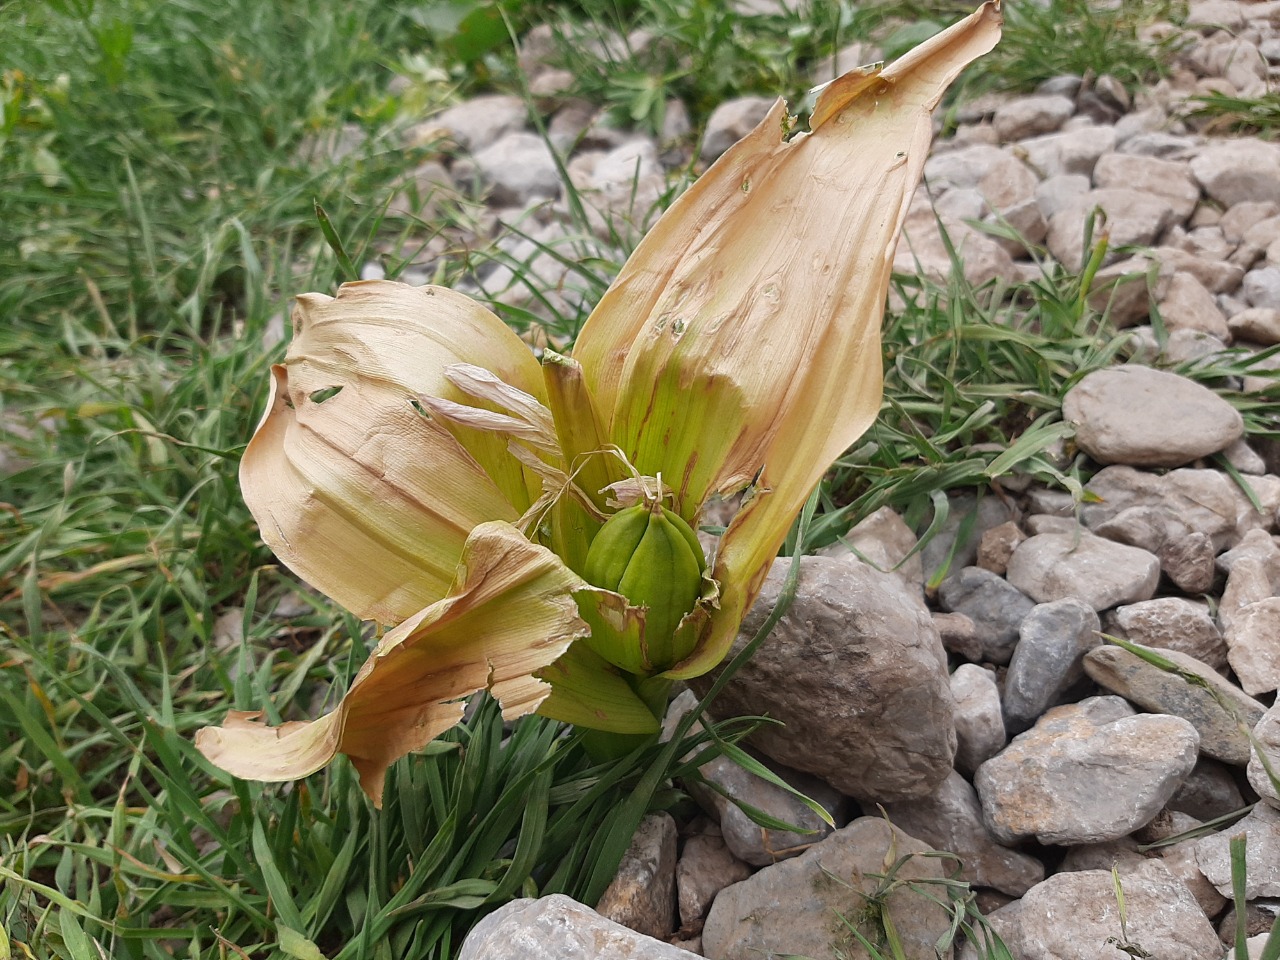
<point>160,167</point>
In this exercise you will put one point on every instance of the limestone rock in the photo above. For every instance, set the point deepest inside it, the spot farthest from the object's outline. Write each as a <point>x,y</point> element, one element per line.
<point>792,907</point>
<point>557,928</point>
<point>1085,773</point>
<point>980,732</point>
<point>642,894</point>
<point>706,867</point>
<point>995,606</point>
<point>951,819</point>
<point>1266,736</point>
<point>1212,705</point>
<point>1144,417</point>
<point>1076,916</point>
<point>1102,573</point>
<point>1239,170</point>
<point>1174,623</point>
<point>1262,854</point>
<point>1048,660</point>
<point>856,672</point>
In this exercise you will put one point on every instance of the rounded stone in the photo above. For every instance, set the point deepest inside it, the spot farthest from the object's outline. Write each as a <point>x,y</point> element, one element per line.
<point>1149,418</point>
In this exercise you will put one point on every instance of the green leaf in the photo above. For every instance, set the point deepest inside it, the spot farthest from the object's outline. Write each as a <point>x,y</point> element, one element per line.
<point>294,944</point>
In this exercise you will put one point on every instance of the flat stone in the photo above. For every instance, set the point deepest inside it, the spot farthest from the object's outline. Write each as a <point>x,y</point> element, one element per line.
<point>642,894</point>
<point>1171,506</point>
<point>995,606</point>
<point>950,819</point>
<point>1144,417</point>
<point>980,732</point>
<point>856,672</point>
<point>746,839</point>
<point>794,907</point>
<point>557,928</point>
<point>883,540</point>
<point>1261,288</point>
<point>1102,573</point>
<point>1048,660</point>
<point>1211,704</point>
<point>1085,773</point>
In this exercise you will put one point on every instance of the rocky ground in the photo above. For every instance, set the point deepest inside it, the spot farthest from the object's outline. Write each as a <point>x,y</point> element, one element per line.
<point>989,718</point>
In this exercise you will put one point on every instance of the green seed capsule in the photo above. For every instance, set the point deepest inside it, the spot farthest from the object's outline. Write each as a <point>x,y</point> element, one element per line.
<point>653,558</point>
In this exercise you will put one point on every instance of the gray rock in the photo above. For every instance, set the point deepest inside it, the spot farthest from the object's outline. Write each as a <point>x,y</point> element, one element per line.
<point>557,928</point>
<point>1239,170</point>
<point>1169,179</point>
<point>995,606</point>
<point>1252,647</point>
<point>1071,151</point>
<point>856,672</point>
<point>747,840</point>
<point>730,122</point>
<point>1266,744</point>
<point>1102,573</point>
<point>519,169</point>
<point>997,545</point>
<point>951,819</point>
<point>959,635</point>
<point>1049,659</point>
<point>642,896</point>
<point>1056,192</point>
<point>1211,704</point>
<point>795,907</point>
<point>1169,506</point>
<point>477,122</point>
<point>1260,325</point>
<point>1174,623</point>
<point>1188,305</point>
<point>1085,773</point>
<point>705,868</point>
<point>1031,116</point>
<point>1133,217</point>
<point>966,167</point>
<point>1144,417</point>
<point>885,541</point>
<point>1076,916</point>
<point>1262,854</point>
<point>970,516</point>
<point>1209,792</point>
<point>980,732</point>
<point>1262,287</point>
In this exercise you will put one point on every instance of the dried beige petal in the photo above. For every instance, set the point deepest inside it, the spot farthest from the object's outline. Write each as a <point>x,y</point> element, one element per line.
<point>354,489</point>
<point>509,614</point>
<point>742,338</point>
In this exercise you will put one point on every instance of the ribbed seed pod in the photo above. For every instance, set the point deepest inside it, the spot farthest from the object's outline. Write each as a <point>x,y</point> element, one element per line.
<point>652,557</point>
